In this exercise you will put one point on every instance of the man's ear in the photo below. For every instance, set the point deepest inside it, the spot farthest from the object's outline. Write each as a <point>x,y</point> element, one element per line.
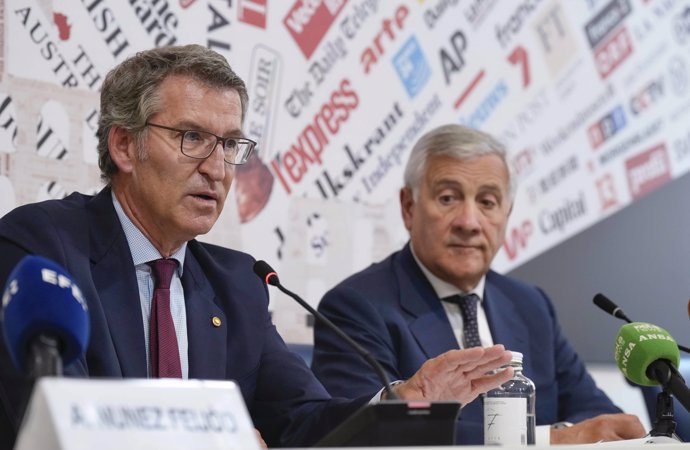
<point>406,206</point>
<point>122,148</point>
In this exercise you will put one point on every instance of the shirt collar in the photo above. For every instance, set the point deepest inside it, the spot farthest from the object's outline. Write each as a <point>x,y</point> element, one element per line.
<point>141,248</point>
<point>444,289</point>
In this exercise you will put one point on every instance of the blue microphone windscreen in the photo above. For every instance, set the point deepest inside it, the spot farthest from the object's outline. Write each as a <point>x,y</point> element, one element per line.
<point>40,297</point>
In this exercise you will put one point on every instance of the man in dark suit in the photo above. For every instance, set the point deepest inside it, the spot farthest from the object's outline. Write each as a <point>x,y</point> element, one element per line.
<point>455,204</point>
<point>170,135</point>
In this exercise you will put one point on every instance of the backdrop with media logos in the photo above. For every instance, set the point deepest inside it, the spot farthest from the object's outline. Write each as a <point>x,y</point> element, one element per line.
<point>590,96</point>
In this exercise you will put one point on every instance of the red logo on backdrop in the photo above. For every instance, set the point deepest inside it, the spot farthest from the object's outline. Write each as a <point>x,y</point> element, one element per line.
<point>64,28</point>
<point>613,52</point>
<point>607,192</point>
<point>648,170</point>
<point>252,12</point>
<point>517,239</point>
<point>473,84</point>
<point>309,20</point>
<point>186,3</point>
<point>519,57</point>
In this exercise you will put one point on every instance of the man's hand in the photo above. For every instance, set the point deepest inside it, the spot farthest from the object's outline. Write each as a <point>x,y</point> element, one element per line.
<point>459,375</point>
<point>606,427</point>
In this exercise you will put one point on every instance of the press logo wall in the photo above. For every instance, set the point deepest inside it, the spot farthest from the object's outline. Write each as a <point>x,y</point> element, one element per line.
<point>610,16</point>
<point>648,170</point>
<point>606,127</point>
<point>158,20</point>
<point>434,13</point>
<point>476,11</point>
<point>291,166</point>
<point>556,37</point>
<point>453,60</point>
<point>681,26</point>
<point>309,20</point>
<point>631,142</point>
<point>611,46</point>
<point>216,30</point>
<point>39,31</point>
<point>487,106</point>
<point>411,67</point>
<point>252,12</point>
<point>608,194</point>
<point>387,34</point>
<point>108,27</point>
<point>8,124</point>
<point>647,97</point>
<point>506,30</point>
<point>517,239</point>
<point>332,181</point>
<point>559,217</point>
<point>253,180</point>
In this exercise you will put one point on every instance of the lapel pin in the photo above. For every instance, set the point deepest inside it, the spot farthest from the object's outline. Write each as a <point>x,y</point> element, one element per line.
<point>216,321</point>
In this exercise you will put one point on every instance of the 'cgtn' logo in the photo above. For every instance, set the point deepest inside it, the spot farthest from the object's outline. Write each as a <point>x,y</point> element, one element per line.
<point>648,170</point>
<point>309,20</point>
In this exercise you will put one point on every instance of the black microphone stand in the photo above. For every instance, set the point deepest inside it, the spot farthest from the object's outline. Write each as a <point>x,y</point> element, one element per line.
<point>665,422</point>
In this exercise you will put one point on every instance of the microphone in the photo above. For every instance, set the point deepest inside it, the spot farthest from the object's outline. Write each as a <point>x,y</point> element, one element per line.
<point>44,317</point>
<point>269,276</point>
<point>609,307</point>
<point>648,355</point>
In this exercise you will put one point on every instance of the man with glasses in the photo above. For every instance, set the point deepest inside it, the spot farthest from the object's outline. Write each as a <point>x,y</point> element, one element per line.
<point>161,303</point>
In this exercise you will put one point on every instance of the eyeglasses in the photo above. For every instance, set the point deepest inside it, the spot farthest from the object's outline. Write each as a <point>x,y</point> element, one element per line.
<point>200,144</point>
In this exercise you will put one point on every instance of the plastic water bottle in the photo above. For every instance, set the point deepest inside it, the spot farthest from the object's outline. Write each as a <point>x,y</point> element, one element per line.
<point>509,409</point>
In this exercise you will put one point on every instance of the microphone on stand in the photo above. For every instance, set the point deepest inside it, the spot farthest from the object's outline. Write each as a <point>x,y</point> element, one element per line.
<point>269,276</point>
<point>44,317</point>
<point>648,356</point>
<point>45,323</point>
<point>389,423</point>
<point>611,308</point>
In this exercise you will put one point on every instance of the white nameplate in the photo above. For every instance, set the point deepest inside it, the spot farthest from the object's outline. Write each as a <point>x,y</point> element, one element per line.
<point>75,414</point>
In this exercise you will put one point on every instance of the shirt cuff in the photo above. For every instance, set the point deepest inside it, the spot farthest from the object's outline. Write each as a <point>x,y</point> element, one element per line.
<point>377,398</point>
<point>542,435</point>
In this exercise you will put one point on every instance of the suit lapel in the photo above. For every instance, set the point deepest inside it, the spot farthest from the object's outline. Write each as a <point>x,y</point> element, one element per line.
<point>207,342</point>
<point>427,320</point>
<point>115,281</point>
<point>504,320</point>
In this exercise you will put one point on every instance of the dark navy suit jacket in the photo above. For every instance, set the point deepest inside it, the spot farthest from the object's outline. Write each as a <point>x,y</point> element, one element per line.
<point>391,309</point>
<point>83,234</point>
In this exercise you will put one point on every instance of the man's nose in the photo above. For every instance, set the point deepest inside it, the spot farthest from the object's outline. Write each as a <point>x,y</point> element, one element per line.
<point>214,165</point>
<point>466,216</point>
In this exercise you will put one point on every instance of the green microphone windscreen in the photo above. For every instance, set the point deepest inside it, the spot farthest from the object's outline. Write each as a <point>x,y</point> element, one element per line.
<point>639,344</point>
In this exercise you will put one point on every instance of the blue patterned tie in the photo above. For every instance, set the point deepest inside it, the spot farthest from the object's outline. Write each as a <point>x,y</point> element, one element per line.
<point>470,326</point>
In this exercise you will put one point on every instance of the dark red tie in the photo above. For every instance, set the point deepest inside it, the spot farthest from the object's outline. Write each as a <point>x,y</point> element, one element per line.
<point>165,354</point>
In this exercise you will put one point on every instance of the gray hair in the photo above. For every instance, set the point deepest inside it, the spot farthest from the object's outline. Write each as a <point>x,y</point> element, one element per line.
<point>456,141</point>
<point>130,91</point>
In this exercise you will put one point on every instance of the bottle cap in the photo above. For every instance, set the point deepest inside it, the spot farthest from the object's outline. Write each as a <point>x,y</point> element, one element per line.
<point>517,357</point>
